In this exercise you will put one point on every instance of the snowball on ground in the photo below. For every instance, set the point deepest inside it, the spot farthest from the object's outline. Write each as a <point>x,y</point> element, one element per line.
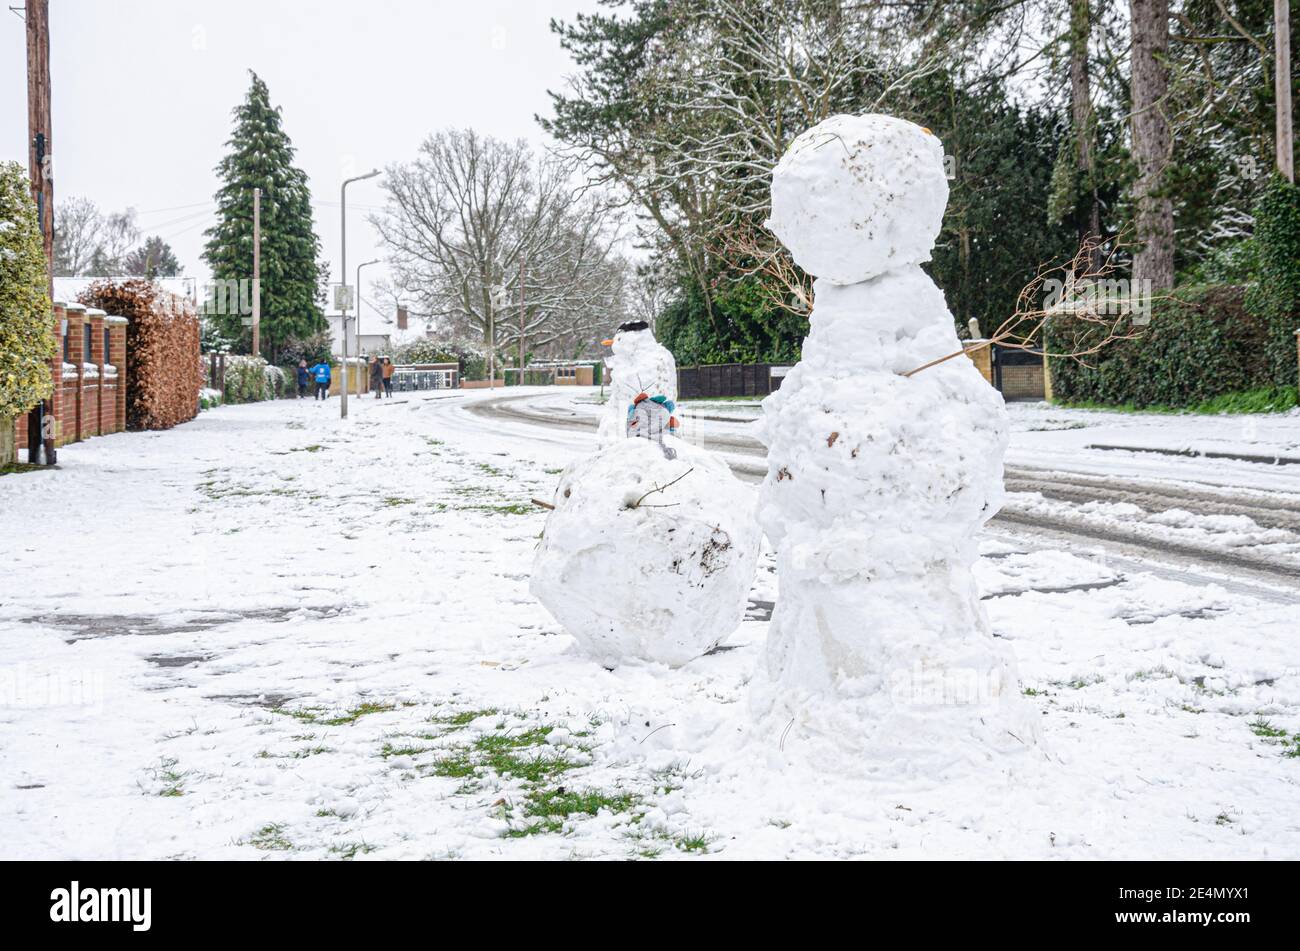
<point>646,558</point>
<point>856,196</point>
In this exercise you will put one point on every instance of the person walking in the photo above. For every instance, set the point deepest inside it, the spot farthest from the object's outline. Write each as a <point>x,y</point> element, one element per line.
<point>321,374</point>
<point>388,377</point>
<point>304,379</point>
<point>377,377</point>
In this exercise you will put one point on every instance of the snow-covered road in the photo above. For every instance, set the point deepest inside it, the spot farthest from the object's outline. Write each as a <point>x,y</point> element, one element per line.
<point>270,633</point>
<point>1190,516</point>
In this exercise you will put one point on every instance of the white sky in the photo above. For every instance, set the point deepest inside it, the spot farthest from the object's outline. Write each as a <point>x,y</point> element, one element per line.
<point>143,91</point>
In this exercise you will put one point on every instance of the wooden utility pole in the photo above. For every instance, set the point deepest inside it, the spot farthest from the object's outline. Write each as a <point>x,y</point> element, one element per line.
<point>1282,88</point>
<point>40,164</point>
<point>257,272</point>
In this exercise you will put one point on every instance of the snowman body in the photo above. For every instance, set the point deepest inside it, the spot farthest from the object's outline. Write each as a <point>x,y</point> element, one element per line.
<point>638,364</point>
<point>648,556</point>
<point>880,481</point>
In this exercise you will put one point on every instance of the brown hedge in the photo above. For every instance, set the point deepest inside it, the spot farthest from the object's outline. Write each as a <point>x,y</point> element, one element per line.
<point>163,368</point>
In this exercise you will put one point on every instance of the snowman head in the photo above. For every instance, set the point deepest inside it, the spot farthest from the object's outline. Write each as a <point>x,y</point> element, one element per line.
<point>857,196</point>
<point>629,335</point>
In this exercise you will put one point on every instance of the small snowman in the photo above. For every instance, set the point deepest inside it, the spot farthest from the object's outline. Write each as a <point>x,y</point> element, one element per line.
<point>651,549</point>
<point>638,364</point>
<point>880,656</point>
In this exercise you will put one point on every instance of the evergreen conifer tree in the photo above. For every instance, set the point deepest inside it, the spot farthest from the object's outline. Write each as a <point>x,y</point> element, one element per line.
<point>293,278</point>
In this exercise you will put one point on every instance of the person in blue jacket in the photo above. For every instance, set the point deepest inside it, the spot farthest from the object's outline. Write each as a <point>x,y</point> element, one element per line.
<point>304,379</point>
<point>321,374</point>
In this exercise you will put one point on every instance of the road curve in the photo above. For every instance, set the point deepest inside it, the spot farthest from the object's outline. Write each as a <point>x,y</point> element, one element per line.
<point>1274,511</point>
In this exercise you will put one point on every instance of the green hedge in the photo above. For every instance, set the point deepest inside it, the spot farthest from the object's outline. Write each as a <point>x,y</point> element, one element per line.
<point>27,341</point>
<point>1202,342</point>
<point>1275,297</point>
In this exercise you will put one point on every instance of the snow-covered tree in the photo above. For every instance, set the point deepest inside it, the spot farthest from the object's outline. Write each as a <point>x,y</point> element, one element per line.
<point>293,277</point>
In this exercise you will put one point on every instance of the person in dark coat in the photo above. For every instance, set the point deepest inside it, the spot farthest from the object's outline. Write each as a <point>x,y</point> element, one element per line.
<point>376,377</point>
<point>304,379</point>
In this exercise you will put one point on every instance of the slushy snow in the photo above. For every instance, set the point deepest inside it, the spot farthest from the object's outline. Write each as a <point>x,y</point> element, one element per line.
<point>879,482</point>
<point>648,558</point>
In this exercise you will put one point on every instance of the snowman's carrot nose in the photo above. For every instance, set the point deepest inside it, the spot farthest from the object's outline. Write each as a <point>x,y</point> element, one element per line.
<point>607,343</point>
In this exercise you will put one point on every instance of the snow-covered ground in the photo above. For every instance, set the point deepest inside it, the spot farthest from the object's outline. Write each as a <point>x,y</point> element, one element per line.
<point>270,633</point>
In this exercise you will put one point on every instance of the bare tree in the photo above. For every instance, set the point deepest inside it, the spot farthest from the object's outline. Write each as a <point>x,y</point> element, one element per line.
<point>1085,290</point>
<point>77,224</point>
<point>493,240</point>
<point>118,234</point>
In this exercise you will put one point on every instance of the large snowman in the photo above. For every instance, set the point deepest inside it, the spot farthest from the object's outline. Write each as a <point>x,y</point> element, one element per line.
<point>638,364</point>
<point>880,654</point>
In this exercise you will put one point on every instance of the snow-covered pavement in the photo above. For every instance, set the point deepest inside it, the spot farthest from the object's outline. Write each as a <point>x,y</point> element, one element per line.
<point>270,633</point>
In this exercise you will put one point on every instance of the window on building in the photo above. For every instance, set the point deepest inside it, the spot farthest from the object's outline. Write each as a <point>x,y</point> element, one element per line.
<point>67,340</point>
<point>108,346</point>
<point>88,334</point>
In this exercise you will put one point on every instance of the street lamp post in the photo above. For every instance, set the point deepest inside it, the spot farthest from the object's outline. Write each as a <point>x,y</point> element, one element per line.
<point>359,268</point>
<point>343,270</point>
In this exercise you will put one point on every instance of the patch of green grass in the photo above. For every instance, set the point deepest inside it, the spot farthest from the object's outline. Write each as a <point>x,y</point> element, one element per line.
<point>173,780</point>
<point>316,715</point>
<point>347,851</point>
<point>1262,728</point>
<point>389,750</point>
<point>1267,399</point>
<point>1293,751</point>
<point>1031,692</point>
<point>510,508</point>
<point>692,843</point>
<point>519,756</point>
<point>524,755</point>
<point>545,827</point>
<point>21,468</point>
<point>491,470</point>
<point>500,742</point>
<point>462,719</point>
<point>270,838</point>
<point>457,764</point>
<point>1079,683</point>
<point>304,753</point>
<point>561,803</point>
<point>394,501</point>
<point>550,809</point>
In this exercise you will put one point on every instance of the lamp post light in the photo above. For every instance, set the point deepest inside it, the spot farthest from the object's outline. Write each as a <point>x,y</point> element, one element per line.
<point>343,270</point>
<point>360,352</point>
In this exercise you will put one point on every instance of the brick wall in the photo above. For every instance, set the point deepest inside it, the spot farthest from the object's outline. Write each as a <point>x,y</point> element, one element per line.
<point>982,357</point>
<point>89,398</point>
